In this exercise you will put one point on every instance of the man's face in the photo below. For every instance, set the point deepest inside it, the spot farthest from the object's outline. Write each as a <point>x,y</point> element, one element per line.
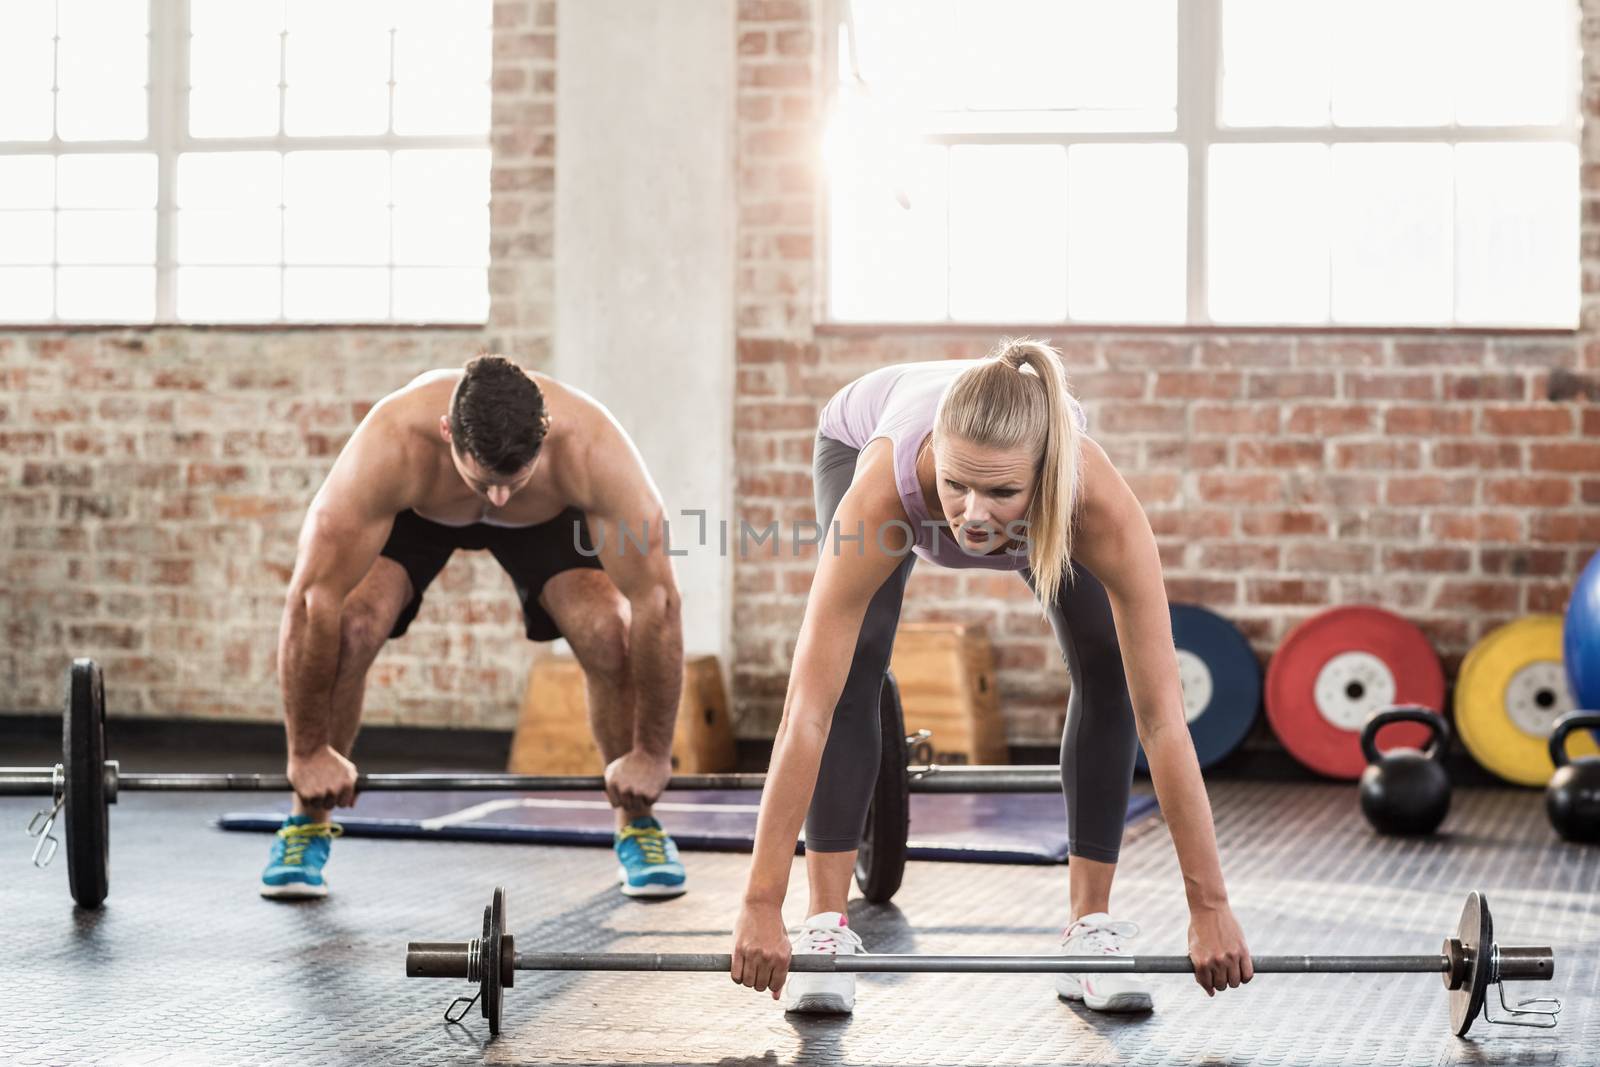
<point>492,486</point>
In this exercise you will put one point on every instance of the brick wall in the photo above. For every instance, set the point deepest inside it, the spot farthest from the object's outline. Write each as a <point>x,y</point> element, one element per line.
<point>152,482</point>
<point>1452,478</point>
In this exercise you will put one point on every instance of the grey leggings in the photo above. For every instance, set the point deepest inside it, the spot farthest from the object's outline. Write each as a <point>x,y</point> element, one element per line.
<point>1097,747</point>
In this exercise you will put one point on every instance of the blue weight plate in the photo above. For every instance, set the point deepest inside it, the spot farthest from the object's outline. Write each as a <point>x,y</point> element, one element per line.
<point>1221,682</point>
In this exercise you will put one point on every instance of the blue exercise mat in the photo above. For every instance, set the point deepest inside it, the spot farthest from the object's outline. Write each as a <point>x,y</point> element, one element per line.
<point>969,828</point>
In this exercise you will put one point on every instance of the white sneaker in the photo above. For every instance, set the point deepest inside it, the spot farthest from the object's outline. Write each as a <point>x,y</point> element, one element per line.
<point>814,991</point>
<point>1101,935</point>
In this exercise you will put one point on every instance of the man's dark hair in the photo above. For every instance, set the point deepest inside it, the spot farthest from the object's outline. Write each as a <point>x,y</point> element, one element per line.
<point>497,415</point>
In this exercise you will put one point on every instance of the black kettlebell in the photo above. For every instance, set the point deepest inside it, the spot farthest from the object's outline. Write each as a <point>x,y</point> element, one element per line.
<point>1572,798</point>
<point>1405,791</point>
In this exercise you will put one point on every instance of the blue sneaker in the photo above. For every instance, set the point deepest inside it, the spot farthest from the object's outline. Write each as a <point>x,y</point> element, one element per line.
<point>298,855</point>
<point>648,860</point>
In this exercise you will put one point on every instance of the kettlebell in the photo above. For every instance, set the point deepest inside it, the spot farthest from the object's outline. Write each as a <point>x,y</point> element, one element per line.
<point>1405,791</point>
<point>1572,799</point>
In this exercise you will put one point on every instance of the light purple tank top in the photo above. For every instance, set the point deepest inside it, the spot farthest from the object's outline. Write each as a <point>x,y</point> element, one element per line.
<point>899,402</point>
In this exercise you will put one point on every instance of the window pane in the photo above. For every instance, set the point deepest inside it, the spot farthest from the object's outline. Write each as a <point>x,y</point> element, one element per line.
<point>1517,234</point>
<point>230,179</point>
<point>247,236</point>
<point>354,178</point>
<point>29,115</point>
<point>113,180</point>
<point>906,53</point>
<point>235,58</point>
<point>422,14</point>
<point>27,181</point>
<point>106,294</point>
<point>440,237</point>
<point>233,111</point>
<point>106,236</point>
<point>336,235</point>
<point>27,50</point>
<point>229,294</point>
<point>27,236</point>
<point>441,295</point>
<point>257,18</point>
<point>102,61</point>
<point>1125,232</point>
<point>430,107</point>
<point>27,294</point>
<point>1391,63</point>
<point>1069,54</point>
<point>1268,233</point>
<point>325,109</point>
<point>325,294</point>
<point>443,52</point>
<point>888,235</point>
<point>1513,61</point>
<point>102,113</point>
<point>1008,233</point>
<point>118,17</point>
<point>448,178</point>
<point>1391,222</point>
<point>1276,67</point>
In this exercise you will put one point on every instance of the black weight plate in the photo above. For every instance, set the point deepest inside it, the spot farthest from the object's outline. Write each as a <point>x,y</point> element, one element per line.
<point>1475,931</point>
<point>881,857</point>
<point>493,944</point>
<point>83,759</point>
<point>1221,682</point>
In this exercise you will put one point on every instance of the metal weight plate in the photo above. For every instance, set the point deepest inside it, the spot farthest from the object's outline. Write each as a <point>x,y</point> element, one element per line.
<point>492,984</point>
<point>881,857</point>
<point>1221,681</point>
<point>1333,671</point>
<point>83,759</point>
<point>1475,934</point>
<point>1511,690</point>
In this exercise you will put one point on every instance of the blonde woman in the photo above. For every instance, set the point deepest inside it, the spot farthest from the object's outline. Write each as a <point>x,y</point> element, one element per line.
<point>979,464</point>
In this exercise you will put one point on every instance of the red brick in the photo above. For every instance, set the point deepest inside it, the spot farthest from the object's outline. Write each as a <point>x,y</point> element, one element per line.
<point>27,444</point>
<point>779,484</point>
<point>794,42</point>
<point>1428,560</point>
<point>1479,596</point>
<point>1191,385</point>
<point>1237,419</point>
<point>60,475</point>
<point>1331,558</point>
<point>1485,386</point>
<point>1286,591</point>
<point>1311,352</point>
<point>1380,455</point>
<point>1282,524</point>
<point>1579,528</point>
<point>1327,421</point>
<point>1382,525</point>
<point>1428,422</point>
<point>229,476</point>
<point>1108,385</point>
<point>796,108</point>
<point>1154,487</point>
<point>779,416</point>
<point>1590,489</point>
<point>774,75</point>
<point>1230,488</point>
<point>1528,492</point>
<point>1475,526</point>
<point>1158,355</point>
<point>758,350</point>
<point>1541,562</point>
<point>1216,592</point>
<point>1487,454</point>
<point>1278,453</point>
<point>1510,353</point>
<point>1591,422</point>
<point>1185,454</point>
<point>753,43</point>
<point>1376,386</point>
<point>1463,353</point>
<point>774,10</point>
<point>1192,523</point>
<point>1576,457</point>
<point>1292,385</point>
<point>1548,598</point>
<point>1240,556</point>
<point>1527,421</point>
<point>1141,418</point>
<point>1429,489</point>
<point>1333,490</point>
<point>756,108</point>
<point>1236,352</point>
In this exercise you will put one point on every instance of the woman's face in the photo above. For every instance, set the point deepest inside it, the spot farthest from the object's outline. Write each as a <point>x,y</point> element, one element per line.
<point>983,491</point>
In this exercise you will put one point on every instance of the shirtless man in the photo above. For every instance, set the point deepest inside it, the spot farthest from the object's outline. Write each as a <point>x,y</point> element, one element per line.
<point>538,473</point>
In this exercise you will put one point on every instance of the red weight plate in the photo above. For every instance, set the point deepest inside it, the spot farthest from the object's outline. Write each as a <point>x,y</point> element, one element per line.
<point>1334,670</point>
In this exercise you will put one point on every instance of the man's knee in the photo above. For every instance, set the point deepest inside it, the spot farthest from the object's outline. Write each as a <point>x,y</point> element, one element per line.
<point>601,645</point>
<point>361,633</point>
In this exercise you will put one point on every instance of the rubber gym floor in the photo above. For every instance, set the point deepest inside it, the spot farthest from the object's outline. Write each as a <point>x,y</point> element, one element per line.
<point>185,964</point>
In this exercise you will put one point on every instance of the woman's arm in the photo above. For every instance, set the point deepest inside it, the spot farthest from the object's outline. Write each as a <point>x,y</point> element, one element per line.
<point>849,573</point>
<point>1117,545</point>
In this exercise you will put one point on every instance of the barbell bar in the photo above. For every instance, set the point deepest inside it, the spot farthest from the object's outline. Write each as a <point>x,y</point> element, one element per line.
<point>86,782</point>
<point>1469,962</point>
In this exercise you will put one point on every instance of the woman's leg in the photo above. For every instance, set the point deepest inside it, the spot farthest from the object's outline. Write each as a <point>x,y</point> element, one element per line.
<point>1099,742</point>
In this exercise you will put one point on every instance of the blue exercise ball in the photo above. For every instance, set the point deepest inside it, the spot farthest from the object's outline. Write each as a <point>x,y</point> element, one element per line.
<point>1581,637</point>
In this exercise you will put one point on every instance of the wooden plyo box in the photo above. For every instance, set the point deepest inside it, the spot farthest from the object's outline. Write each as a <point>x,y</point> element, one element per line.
<point>553,735</point>
<point>947,685</point>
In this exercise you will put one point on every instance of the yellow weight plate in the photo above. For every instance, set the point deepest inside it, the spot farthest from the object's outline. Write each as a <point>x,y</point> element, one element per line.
<point>1511,690</point>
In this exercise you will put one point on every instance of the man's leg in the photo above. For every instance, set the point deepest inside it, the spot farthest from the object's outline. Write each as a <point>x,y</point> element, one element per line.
<point>369,616</point>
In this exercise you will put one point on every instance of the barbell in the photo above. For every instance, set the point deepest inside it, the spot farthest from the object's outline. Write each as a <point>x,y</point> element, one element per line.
<point>86,782</point>
<point>1469,962</point>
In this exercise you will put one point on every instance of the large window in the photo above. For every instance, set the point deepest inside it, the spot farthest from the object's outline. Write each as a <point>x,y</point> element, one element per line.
<point>1197,162</point>
<point>228,161</point>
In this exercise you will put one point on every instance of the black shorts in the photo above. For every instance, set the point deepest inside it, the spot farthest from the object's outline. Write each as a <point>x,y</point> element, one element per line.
<point>532,555</point>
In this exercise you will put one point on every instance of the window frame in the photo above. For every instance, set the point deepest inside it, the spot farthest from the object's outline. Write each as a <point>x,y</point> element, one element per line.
<point>168,138</point>
<point>1197,129</point>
